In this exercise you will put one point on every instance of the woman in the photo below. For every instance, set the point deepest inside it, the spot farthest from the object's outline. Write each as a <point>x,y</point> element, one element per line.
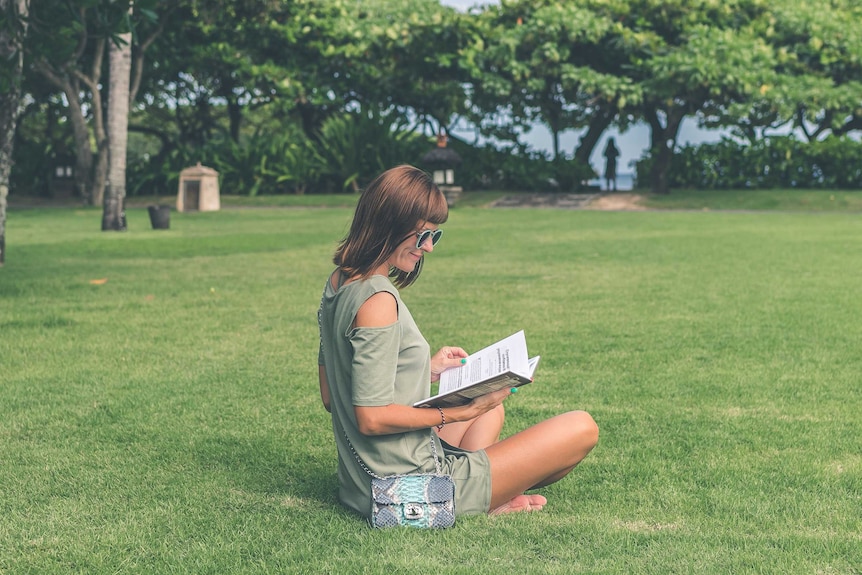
<point>611,154</point>
<point>374,364</point>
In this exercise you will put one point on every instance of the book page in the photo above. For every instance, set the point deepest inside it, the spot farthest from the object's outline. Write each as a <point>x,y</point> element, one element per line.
<point>467,393</point>
<point>509,354</point>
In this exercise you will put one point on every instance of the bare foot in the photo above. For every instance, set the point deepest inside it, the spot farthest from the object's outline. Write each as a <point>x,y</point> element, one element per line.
<point>521,503</point>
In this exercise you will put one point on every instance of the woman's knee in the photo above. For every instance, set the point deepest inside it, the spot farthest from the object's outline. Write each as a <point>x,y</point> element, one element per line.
<point>582,428</point>
<point>500,412</point>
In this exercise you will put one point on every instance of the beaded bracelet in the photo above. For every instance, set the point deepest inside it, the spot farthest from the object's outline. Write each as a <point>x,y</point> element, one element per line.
<point>442,419</point>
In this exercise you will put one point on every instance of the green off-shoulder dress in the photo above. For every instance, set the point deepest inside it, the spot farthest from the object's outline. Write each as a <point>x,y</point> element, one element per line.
<point>380,366</point>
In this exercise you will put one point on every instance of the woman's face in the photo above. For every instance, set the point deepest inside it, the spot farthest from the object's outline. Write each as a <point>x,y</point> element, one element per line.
<point>407,254</point>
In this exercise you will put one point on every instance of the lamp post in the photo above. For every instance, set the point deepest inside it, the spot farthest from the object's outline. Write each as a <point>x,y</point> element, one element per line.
<point>442,162</point>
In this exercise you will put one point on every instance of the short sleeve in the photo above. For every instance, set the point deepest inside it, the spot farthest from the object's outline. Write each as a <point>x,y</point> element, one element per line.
<point>375,362</point>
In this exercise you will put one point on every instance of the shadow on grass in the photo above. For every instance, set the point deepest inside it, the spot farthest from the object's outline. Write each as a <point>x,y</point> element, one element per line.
<point>267,466</point>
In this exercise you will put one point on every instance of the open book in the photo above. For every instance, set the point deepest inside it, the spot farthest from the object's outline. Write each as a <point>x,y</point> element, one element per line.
<point>499,366</point>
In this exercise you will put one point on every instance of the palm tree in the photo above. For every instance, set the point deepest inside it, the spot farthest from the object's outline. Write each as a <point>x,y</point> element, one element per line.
<point>119,69</point>
<point>13,28</point>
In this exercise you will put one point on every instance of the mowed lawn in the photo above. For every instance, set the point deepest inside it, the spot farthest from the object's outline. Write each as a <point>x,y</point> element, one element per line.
<point>159,409</point>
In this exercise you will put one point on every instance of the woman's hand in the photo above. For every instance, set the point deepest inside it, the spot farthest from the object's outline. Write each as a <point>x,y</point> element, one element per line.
<point>487,402</point>
<point>444,359</point>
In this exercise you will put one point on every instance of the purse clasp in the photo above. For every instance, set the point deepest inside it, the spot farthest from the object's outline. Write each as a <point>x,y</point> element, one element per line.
<point>413,511</point>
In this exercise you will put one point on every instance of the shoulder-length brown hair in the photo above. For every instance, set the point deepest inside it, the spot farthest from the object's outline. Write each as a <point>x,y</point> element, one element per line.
<point>388,211</point>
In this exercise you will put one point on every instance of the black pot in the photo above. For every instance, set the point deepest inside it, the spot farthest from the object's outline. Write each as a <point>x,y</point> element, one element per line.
<point>160,217</point>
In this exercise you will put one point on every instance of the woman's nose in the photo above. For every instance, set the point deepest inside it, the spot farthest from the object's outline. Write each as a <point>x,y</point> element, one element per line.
<point>427,245</point>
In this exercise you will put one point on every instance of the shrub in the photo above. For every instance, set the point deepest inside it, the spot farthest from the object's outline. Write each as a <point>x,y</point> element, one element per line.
<point>776,162</point>
<point>518,169</point>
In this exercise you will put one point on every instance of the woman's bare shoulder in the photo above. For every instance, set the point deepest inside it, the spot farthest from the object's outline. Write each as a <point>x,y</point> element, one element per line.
<point>379,310</point>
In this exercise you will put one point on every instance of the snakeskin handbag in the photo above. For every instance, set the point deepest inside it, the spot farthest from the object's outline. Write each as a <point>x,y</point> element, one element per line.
<point>422,500</point>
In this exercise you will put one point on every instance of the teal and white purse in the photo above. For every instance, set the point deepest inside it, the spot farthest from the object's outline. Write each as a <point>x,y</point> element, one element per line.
<point>422,500</point>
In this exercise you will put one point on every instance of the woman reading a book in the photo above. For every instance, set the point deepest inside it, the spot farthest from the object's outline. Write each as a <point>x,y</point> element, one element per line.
<point>374,364</point>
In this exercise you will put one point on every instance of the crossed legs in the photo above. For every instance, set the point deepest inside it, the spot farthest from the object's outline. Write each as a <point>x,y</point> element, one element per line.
<point>538,456</point>
<point>477,433</point>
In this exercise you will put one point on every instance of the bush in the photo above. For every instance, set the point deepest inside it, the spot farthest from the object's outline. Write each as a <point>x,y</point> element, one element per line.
<point>517,169</point>
<point>357,146</point>
<point>277,158</point>
<point>776,162</point>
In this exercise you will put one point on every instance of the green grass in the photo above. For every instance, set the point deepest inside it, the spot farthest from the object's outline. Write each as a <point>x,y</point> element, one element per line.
<point>722,200</point>
<point>759,200</point>
<point>470,199</point>
<point>168,420</point>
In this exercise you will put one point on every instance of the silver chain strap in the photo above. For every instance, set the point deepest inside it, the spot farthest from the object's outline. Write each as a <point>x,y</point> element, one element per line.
<point>356,455</point>
<point>374,475</point>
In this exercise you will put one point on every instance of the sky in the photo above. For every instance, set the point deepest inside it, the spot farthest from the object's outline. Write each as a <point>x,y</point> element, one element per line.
<point>465,4</point>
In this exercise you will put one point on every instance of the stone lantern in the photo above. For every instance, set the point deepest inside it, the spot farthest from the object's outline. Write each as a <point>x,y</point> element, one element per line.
<point>198,190</point>
<point>442,161</point>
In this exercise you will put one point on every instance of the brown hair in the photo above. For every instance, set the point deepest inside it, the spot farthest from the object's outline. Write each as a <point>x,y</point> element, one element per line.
<point>388,211</point>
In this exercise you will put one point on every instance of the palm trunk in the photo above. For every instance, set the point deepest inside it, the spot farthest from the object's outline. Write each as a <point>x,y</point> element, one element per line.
<point>11,51</point>
<point>120,64</point>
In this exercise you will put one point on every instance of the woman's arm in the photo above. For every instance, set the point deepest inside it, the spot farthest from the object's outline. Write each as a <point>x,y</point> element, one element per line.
<point>381,310</point>
<point>394,418</point>
<point>324,387</point>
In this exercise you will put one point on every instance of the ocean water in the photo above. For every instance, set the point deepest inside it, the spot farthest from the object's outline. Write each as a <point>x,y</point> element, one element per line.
<point>625,182</point>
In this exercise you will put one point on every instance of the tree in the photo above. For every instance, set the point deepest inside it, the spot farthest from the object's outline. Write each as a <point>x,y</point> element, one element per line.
<point>68,54</point>
<point>542,61</point>
<point>710,70</point>
<point>818,72</point>
<point>120,66</point>
<point>67,45</point>
<point>409,61</point>
<point>690,58</point>
<point>13,29</point>
<point>225,64</point>
<point>550,63</point>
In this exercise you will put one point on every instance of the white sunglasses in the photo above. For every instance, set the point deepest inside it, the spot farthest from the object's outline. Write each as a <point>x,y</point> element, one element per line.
<point>422,237</point>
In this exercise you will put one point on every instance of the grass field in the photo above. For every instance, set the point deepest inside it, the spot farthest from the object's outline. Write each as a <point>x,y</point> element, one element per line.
<point>159,410</point>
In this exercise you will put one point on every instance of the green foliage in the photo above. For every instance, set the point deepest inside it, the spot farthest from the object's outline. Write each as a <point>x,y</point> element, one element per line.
<point>266,163</point>
<point>769,163</point>
<point>357,146</point>
<point>13,30</point>
<point>546,62</point>
<point>350,87</point>
<point>349,150</point>
<point>43,141</point>
<point>490,167</point>
<point>818,71</point>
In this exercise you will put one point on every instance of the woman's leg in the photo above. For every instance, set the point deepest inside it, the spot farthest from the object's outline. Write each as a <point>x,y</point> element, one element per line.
<point>477,433</point>
<point>538,456</point>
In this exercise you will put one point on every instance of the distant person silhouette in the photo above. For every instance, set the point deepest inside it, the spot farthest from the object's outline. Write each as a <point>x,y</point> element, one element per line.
<point>611,153</point>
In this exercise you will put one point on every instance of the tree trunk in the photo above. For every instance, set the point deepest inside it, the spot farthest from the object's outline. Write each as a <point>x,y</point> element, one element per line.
<point>598,124</point>
<point>138,54</point>
<point>81,134</point>
<point>11,51</point>
<point>100,173</point>
<point>89,183</point>
<point>555,138</point>
<point>120,65</point>
<point>663,139</point>
<point>234,114</point>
